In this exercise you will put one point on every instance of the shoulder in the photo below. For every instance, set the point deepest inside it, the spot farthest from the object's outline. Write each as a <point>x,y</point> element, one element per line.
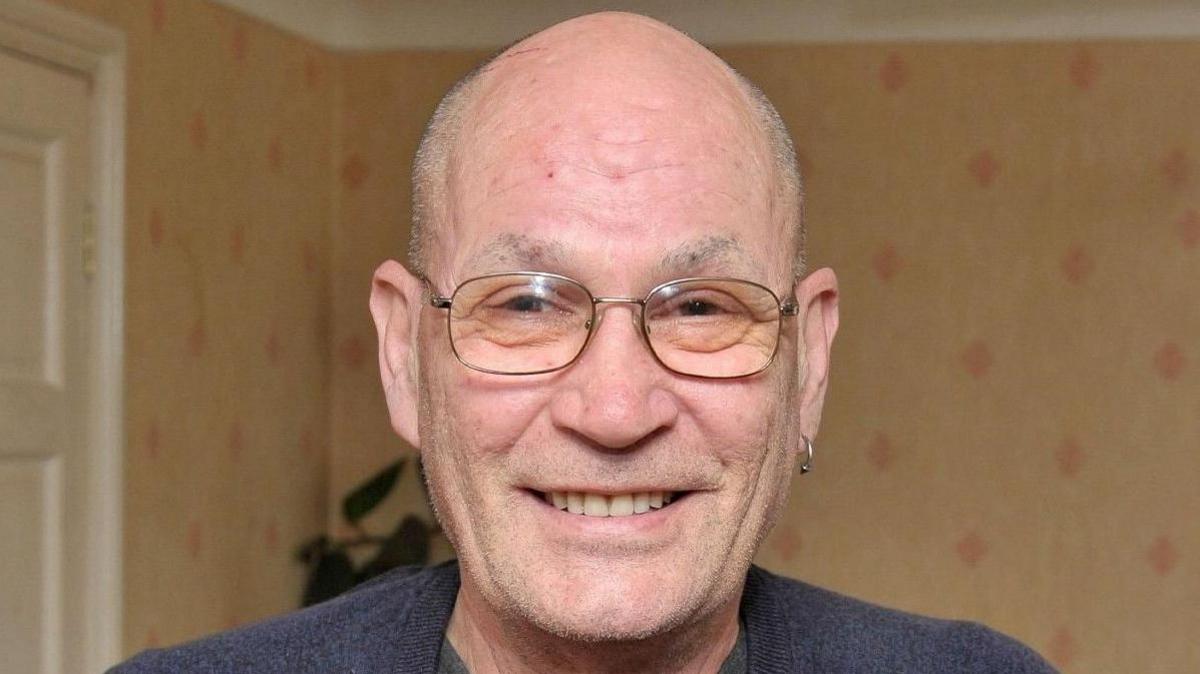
<point>831,632</point>
<point>358,631</point>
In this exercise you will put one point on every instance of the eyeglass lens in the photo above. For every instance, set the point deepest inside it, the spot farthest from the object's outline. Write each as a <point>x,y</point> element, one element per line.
<point>529,323</point>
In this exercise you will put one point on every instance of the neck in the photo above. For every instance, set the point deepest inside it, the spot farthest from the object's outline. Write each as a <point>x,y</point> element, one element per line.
<point>492,644</point>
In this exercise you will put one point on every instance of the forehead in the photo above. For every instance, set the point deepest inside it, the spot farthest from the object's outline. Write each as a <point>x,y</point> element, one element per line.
<point>555,169</point>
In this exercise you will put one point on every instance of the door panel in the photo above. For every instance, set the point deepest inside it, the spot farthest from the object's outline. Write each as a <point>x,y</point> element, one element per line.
<point>31,531</point>
<point>25,165</point>
<point>44,123</point>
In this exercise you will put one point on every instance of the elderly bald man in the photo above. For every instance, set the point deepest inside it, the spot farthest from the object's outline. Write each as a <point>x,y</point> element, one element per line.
<point>613,361</point>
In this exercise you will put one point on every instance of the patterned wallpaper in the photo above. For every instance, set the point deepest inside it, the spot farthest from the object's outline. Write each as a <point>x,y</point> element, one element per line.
<point>1012,428</point>
<point>230,195</point>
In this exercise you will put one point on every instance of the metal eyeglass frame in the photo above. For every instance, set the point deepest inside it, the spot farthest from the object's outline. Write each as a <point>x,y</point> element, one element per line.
<point>786,309</point>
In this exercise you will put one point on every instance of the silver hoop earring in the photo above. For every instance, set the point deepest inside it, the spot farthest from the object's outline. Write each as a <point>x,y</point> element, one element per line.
<point>806,465</point>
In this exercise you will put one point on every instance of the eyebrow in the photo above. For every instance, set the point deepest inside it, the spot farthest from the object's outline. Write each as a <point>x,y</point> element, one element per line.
<point>517,251</point>
<point>713,254</point>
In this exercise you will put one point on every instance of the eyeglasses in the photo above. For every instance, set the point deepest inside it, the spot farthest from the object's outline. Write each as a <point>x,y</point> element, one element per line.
<point>523,323</point>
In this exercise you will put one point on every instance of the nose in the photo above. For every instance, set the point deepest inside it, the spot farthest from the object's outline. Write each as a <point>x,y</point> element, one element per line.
<point>616,394</point>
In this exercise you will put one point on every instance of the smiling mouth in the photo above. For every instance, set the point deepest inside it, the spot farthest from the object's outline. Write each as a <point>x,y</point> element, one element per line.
<point>610,505</point>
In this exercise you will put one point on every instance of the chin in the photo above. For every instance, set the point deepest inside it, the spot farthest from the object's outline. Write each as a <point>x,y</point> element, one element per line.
<point>609,620</point>
<point>604,603</point>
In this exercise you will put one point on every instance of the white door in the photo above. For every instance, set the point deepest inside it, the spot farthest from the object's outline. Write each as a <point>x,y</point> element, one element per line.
<point>45,313</point>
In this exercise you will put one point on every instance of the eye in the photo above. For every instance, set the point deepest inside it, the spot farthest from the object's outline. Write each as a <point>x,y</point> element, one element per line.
<point>694,307</point>
<point>524,300</point>
<point>525,304</point>
<point>698,303</point>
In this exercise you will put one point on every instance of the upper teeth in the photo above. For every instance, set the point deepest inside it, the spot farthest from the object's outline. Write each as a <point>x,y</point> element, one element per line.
<point>608,505</point>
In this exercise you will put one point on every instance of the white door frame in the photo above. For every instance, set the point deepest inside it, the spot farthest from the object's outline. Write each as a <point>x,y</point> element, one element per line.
<point>82,44</point>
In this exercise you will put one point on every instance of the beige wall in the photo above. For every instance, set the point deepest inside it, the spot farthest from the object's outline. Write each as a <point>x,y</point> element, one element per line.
<point>1011,431</point>
<point>230,196</point>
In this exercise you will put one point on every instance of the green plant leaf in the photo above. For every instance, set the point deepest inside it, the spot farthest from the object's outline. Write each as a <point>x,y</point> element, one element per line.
<point>310,552</point>
<point>369,494</point>
<point>332,575</point>
<point>408,545</point>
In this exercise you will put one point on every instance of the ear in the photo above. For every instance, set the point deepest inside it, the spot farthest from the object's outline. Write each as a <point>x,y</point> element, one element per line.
<point>818,298</point>
<point>396,303</point>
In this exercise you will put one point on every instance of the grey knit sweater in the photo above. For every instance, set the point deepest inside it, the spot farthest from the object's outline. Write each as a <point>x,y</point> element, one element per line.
<point>395,624</point>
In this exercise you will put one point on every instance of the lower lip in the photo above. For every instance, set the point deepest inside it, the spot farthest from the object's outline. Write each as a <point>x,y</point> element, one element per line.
<point>652,523</point>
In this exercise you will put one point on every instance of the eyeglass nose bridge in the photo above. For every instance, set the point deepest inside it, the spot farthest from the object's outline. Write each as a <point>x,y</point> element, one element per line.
<point>596,315</point>
<point>619,300</point>
<point>638,319</point>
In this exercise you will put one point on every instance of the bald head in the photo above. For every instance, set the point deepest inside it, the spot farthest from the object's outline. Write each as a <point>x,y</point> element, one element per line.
<point>611,79</point>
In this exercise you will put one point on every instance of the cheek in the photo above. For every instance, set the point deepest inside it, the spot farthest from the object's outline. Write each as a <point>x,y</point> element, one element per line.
<point>476,418</point>
<point>464,411</point>
<point>467,436</point>
<point>740,420</point>
<point>736,405</point>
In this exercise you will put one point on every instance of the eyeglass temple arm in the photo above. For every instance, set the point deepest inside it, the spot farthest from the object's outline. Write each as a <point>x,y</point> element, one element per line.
<point>789,308</point>
<point>434,301</point>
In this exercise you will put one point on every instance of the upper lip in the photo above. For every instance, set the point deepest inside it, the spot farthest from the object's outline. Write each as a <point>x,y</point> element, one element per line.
<point>610,491</point>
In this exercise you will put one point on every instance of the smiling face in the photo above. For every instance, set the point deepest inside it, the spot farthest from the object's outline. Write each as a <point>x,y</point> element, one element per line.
<point>621,168</point>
